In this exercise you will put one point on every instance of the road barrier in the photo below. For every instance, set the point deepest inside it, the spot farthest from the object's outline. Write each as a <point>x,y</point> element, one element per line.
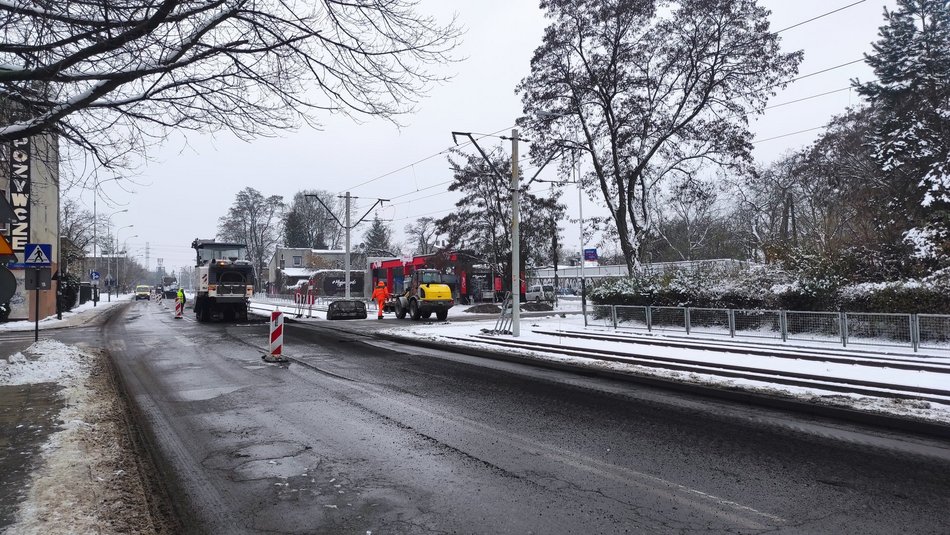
<point>276,338</point>
<point>179,309</point>
<point>931,331</point>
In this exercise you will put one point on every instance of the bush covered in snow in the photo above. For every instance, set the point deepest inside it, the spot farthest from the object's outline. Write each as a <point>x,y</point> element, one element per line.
<point>930,295</point>
<point>769,287</point>
<point>704,288</point>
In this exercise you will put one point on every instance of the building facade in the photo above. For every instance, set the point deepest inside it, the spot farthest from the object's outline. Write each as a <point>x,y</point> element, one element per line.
<point>30,183</point>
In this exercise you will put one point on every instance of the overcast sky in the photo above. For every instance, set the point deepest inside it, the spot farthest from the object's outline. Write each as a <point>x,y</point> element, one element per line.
<point>192,181</point>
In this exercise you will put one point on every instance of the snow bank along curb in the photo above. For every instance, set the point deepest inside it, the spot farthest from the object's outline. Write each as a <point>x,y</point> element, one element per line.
<point>769,398</point>
<point>77,316</point>
<point>86,481</point>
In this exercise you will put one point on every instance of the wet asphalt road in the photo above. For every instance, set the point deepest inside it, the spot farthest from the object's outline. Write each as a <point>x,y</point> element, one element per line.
<point>361,436</point>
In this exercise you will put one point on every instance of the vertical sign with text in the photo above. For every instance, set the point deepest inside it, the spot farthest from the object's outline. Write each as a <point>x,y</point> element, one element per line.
<point>20,165</point>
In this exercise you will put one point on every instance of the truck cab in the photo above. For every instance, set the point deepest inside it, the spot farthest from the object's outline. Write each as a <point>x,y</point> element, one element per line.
<point>224,280</point>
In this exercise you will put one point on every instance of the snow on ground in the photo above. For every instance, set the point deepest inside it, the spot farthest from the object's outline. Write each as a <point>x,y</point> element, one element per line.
<point>51,362</point>
<point>77,314</point>
<point>87,480</point>
<point>445,332</point>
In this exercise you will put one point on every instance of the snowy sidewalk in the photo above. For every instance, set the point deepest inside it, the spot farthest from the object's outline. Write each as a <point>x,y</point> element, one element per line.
<point>65,449</point>
<point>80,315</point>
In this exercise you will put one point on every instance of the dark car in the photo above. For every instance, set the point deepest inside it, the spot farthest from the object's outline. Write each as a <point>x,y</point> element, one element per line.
<point>342,310</point>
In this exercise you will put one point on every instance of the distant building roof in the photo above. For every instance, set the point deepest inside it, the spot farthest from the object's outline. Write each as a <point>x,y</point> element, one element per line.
<point>297,272</point>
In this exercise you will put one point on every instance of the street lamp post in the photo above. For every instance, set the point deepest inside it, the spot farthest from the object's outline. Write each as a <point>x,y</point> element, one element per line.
<point>117,257</point>
<point>95,234</point>
<point>96,259</point>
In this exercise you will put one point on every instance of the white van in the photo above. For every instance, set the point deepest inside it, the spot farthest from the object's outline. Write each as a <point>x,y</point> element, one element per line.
<point>539,292</point>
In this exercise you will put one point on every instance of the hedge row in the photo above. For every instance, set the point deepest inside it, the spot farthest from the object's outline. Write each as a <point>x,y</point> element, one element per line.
<point>769,288</point>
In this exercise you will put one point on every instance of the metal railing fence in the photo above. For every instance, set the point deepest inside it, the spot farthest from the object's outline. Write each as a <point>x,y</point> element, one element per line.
<point>914,331</point>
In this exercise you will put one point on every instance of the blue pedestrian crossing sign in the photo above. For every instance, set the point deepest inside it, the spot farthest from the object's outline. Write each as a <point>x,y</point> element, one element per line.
<point>38,254</point>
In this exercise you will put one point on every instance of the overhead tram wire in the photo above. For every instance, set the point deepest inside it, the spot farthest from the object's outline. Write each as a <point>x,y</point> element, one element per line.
<point>756,141</point>
<point>820,16</point>
<point>826,70</point>
<point>807,98</point>
<point>523,169</point>
<point>536,193</point>
<point>441,152</point>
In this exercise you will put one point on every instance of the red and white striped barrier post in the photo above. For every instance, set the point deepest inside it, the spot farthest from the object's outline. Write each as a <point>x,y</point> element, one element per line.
<point>179,308</point>
<point>276,338</point>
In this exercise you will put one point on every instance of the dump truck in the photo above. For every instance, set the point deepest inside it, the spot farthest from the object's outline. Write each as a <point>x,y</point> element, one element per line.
<point>426,293</point>
<point>169,287</point>
<point>224,281</point>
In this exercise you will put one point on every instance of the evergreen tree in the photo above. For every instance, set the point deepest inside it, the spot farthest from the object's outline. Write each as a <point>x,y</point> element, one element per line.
<point>307,222</point>
<point>481,222</point>
<point>376,241</point>
<point>911,98</point>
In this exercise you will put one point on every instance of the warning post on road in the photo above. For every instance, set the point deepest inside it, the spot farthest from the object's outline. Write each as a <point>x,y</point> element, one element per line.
<point>276,349</point>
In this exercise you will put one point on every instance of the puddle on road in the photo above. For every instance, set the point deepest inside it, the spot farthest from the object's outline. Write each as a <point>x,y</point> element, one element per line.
<point>28,416</point>
<point>204,394</point>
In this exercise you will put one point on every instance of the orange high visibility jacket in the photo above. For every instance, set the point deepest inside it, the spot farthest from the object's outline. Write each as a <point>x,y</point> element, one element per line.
<point>381,293</point>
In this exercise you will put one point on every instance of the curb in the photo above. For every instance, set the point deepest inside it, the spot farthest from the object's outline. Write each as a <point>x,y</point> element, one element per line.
<point>920,427</point>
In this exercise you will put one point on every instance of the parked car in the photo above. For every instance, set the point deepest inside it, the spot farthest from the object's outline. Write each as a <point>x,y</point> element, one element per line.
<point>346,309</point>
<point>539,292</point>
<point>566,291</point>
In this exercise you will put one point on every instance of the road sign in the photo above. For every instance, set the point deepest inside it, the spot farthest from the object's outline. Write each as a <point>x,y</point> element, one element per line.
<point>38,254</point>
<point>590,255</point>
<point>38,279</point>
<point>94,275</point>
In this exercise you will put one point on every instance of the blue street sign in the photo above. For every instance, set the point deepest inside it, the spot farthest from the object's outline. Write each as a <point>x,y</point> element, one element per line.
<point>38,254</point>
<point>94,275</point>
<point>590,255</point>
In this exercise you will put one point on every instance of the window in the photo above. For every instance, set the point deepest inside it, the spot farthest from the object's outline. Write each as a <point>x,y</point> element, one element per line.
<point>298,261</point>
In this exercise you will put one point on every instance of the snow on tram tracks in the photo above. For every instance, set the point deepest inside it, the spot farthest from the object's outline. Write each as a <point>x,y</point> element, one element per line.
<point>766,368</point>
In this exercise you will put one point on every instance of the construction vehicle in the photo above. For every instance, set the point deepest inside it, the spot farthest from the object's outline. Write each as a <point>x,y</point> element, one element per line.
<point>224,281</point>
<point>427,291</point>
<point>169,287</point>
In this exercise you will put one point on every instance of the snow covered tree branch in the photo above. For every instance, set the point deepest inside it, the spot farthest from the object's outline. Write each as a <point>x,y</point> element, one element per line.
<point>87,69</point>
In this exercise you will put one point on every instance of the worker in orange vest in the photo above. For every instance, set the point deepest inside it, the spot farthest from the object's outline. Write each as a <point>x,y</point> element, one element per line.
<point>380,294</point>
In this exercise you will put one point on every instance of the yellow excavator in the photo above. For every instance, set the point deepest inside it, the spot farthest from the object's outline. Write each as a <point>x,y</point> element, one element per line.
<point>426,292</point>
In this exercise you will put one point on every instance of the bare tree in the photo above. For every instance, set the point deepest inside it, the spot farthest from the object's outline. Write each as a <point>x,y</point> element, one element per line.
<point>422,235</point>
<point>651,92</point>
<point>254,221</point>
<point>307,223</point>
<point>113,75</point>
<point>686,215</point>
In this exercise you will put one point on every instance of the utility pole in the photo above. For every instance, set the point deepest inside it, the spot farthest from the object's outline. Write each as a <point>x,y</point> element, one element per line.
<point>515,209</point>
<point>347,227</point>
<point>346,261</point>
<point>515,239</point>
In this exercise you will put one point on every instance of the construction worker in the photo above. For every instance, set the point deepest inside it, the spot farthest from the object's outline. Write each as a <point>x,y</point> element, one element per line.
<point>380,294</point>
<point>181,297</point>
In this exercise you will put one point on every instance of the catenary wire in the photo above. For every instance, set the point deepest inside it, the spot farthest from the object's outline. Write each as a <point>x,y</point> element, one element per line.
<point>441,152</point>
<point>820,16</point>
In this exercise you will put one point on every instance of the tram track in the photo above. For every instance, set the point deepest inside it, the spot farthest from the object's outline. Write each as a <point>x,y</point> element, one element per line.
<point>729,371</point>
